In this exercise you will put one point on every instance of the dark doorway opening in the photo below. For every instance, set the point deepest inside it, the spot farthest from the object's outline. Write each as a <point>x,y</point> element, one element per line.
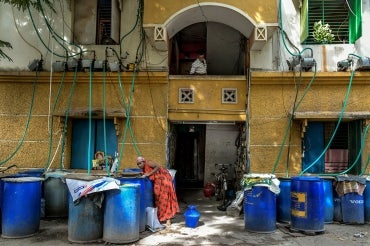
<point>189,158</point>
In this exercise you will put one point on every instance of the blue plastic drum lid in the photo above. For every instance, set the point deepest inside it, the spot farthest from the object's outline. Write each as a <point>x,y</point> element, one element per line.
<point>121,214</point>
<point>21,207</point>
<point>56,194</point>
<point>367,201</point>
<point>283,201</point>
<point>85,221</point>
<point>307,204</point>
<point>260,210</point>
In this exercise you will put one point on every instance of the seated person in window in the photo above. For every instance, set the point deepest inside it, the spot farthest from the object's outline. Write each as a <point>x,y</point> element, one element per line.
<point>199,66</point>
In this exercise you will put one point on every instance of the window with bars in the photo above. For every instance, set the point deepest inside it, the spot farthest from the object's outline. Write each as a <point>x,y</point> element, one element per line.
<point>96,22</point>
<point>343,16</point>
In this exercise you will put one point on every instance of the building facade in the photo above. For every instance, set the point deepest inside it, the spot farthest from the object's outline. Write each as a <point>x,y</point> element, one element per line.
<point>113,76</point>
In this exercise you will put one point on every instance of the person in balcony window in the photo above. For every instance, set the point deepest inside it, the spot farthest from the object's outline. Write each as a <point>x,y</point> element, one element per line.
<point>165,198</point>
<point>199,66</point>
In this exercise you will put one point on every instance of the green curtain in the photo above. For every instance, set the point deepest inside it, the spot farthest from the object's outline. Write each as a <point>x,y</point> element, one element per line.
<point>355,25</point>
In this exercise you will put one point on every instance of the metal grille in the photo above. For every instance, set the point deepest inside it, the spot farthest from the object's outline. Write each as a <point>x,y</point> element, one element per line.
<point>104,22</point>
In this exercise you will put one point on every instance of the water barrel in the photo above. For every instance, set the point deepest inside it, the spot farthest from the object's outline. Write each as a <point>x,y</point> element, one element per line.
<point>85,220</point>
<point>328,200</point>
<point>353,208</point>
<point>337,201</point>
<point>146,196</point>
<point>38,172</point>
<point>283,201</point>
<point>21,205</point>
<point>367,201</point>
<point>55,194</point>
<point>121,214</point>
<point>260,209</point>
<point>307,204</point>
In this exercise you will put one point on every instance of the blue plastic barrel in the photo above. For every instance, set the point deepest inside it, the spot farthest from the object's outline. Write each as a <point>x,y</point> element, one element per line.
<point>337,201</point>
<point>38,172</point>
<point>329,200</point>
<point>353,208</point>
<point>132,170</point>
<point>283,201</point>
<point>121,214</point>
<point>146,196</point>
<point>56,194</point>
<point>307,204</point>
<point>260,209</point>
<point>85,220</point>
<point>21,203</point>
<point>367,201</point>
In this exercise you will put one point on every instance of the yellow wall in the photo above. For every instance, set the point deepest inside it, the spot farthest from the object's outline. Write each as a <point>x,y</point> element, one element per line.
<point>148,114</point>
<point>272,95</point>
<point>207,104</point>
<point>158,11</point>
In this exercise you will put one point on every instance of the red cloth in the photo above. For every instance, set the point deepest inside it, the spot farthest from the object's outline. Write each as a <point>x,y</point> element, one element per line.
<point>165,198</point>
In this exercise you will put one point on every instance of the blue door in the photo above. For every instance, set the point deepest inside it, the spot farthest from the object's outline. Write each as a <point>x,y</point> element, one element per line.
<point>313,147</point>
<point>81,155</point>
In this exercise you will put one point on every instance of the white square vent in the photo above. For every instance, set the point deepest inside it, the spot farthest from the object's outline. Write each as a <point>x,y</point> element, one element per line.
<point>229,95</point>
<point>260,33</point>
<point>186,95</point>
<point>159,33</point>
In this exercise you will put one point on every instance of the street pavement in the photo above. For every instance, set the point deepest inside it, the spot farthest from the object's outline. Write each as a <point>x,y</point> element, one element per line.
<point>214,228</point>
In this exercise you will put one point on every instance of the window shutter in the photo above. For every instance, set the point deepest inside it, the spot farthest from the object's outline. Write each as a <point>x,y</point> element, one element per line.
<point>304,21</point>
<point>355,26</point>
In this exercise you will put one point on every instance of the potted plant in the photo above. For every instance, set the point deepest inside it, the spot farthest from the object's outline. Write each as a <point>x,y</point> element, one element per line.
<point>322,34</point>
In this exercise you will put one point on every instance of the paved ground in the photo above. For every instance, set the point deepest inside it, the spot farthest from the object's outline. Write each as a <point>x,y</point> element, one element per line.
<point>215,228</point>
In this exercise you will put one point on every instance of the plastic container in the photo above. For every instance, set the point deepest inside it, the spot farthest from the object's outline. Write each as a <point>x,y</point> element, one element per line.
<point>337,201</point>
<point>121,214</point>
<point>55,194</point>
<point>260,210</point>
<point>367,201</point>
<point>146,196</point>
<point>283,201</point>
<point>307,204</point>
<point>192,216</point>
<point>353,208</point>
<point>329,201</point>
<point>21,206</point>
<point>85,220</point>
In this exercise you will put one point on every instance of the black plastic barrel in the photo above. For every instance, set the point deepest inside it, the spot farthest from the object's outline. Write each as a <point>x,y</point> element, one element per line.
<point>21,203</point>
<point>329,200</point>
<point>260,209</point>
<point>307,204</point>
<point>85,220</point>
<point>121,214</point>
<point>283,201</point>
<point>353,208</point>
<point>55,194</point>
<point>146,196</point>
<point>367,201</point>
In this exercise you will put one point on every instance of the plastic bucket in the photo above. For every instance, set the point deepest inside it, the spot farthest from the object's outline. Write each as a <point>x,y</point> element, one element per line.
<point>85,220</point>
<point>329,202</point>
<point>307,204</point>
<point>55,195</point>
<point>146,196</point>
<point>121,214</point>
<point>283,201</point>
<point>367,201</point>
<point>21,205</point>
<point>353,208</point>
<point>260,210</point>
